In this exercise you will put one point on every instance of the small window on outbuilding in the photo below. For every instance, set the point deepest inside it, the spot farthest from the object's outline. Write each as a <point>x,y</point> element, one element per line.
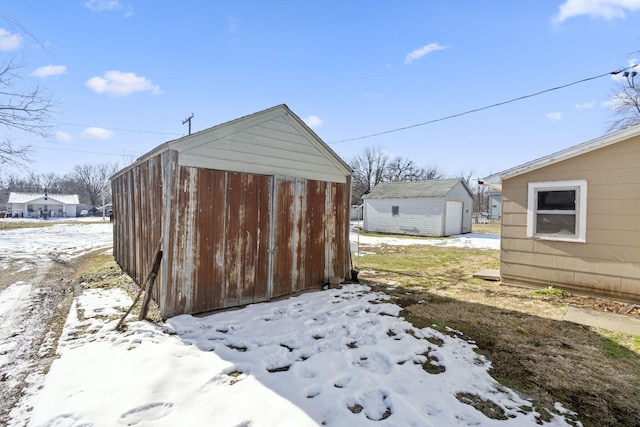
<point>557,210</point>
<point>395,210</point>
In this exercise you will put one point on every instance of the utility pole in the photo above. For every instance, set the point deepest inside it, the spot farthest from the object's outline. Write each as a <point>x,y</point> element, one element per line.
<point>188,119</point>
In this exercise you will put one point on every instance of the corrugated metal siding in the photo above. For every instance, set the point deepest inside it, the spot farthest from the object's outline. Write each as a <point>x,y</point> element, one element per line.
<point>310,242</point>
<point>228,236</point>
<point>137,207</point>
<point>218,250</point>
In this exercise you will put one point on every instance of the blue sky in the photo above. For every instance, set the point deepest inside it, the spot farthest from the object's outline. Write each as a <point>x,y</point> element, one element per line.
<point>126,73</point>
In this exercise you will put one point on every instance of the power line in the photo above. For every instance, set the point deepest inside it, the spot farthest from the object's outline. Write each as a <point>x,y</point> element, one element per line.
<point>58,148</point>
<point>127,130</point>
<point>475,110</point>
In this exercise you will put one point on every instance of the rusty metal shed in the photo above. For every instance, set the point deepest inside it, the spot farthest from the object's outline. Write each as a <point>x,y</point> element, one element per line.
<point>246,211</point>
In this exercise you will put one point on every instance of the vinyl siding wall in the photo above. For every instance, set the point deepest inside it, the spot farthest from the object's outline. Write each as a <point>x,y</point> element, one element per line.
<point>419,216</point>
<point>269,144</point>
<point>609,261</point>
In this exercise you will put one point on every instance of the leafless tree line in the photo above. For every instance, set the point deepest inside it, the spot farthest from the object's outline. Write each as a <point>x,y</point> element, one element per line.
<point>374,165</point>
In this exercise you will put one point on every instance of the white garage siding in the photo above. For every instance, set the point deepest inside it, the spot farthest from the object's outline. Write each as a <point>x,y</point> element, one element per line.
<point>421,217</point>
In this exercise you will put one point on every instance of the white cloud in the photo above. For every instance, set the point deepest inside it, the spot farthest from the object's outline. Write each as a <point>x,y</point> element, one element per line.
<point>121,84</point>
<point>313,121</point>
<point>424,50</point>
<point>49,70</point>
<point>554,116</point>
<point>109,5</point>
<point>607,9</point>
<point>63,136</point>
<point>9,41</point>
<point>586,105</point>
<point>102,5</point>
<point>96,133</point>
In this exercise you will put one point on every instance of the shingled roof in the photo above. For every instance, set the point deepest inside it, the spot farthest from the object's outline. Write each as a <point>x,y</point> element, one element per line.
<point>409,190</point>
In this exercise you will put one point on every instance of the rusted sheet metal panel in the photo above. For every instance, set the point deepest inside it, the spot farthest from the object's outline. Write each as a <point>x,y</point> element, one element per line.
<point>310,243</point>
<point>288,245</point>
<point>137,228</point>
<point>218,241</point>
<point>246,238</point>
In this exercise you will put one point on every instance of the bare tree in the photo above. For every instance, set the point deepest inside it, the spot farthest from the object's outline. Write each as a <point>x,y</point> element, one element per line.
<point>430,172</point>
<point>374,166</point>
<point>368,170</point>
<point>22,108</point>
<point>93,181</point>
<point>625,101</point>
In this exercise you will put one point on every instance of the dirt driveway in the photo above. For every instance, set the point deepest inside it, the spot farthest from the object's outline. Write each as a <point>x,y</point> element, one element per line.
<point>37,266</point>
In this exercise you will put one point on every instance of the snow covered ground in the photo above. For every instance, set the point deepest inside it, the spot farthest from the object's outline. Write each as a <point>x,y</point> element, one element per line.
<point>340,357</point>
<point>470,240</point>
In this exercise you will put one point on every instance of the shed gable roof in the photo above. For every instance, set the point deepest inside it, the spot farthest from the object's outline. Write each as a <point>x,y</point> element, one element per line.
<point>66,199</point>
<point>568,153</point>
<point>272,142</point>
<point>409,190</point>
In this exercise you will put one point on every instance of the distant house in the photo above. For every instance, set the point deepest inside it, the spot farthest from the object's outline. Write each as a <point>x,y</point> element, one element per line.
<point>495,204</point>
<point>572,219</point>
<point>248,210</point>
<point>42,205</point>
<point>423,208</point>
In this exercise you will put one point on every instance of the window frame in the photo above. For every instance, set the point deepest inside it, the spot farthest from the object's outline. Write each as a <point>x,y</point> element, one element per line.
<point>580,187</point>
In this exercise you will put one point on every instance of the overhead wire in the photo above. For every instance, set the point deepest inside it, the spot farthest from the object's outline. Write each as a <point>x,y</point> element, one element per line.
<point>475,110</point>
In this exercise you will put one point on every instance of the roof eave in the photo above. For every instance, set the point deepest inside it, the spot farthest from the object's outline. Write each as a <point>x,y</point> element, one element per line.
<point>565,154</point>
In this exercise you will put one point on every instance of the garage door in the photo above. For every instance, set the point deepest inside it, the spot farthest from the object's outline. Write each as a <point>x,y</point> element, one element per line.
<point>453,221</point>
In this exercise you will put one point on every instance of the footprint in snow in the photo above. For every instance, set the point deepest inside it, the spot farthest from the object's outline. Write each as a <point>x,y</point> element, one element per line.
<point>312,391</point>
<point>145,413</point>
<point>342,382</point>
<point>376,362</point>
<point>66,420</point>
<point>374,404</point>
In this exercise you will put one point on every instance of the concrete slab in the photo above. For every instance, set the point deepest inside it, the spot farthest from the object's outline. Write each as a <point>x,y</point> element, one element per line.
<point>493,275</point>
<point>597,319</point>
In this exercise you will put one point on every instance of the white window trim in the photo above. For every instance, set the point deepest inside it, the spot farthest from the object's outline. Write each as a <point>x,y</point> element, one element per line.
<point>581,208</point>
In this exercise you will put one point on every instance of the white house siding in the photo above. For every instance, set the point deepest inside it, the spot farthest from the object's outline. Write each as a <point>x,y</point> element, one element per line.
<point>495,205</point>
<point>419,216</point>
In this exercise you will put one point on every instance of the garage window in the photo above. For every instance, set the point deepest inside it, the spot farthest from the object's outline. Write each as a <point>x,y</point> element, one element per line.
<point>395,210</point>
<point>557,210</point>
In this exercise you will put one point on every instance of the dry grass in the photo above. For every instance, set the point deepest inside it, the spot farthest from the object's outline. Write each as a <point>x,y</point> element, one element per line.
<point>595,373</point>
<point>492,228</point>
<point>103,272</point>
<point>6,225</point>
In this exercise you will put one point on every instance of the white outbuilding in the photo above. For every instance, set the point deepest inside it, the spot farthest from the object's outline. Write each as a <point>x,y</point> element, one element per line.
<point>424,208</point>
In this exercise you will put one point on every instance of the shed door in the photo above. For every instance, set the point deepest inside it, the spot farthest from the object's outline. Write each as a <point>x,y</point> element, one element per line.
<point>453,218</point>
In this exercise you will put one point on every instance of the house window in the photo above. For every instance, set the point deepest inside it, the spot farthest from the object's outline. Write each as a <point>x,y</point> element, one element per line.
<point>557,210</point>
<point>395,210</point>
